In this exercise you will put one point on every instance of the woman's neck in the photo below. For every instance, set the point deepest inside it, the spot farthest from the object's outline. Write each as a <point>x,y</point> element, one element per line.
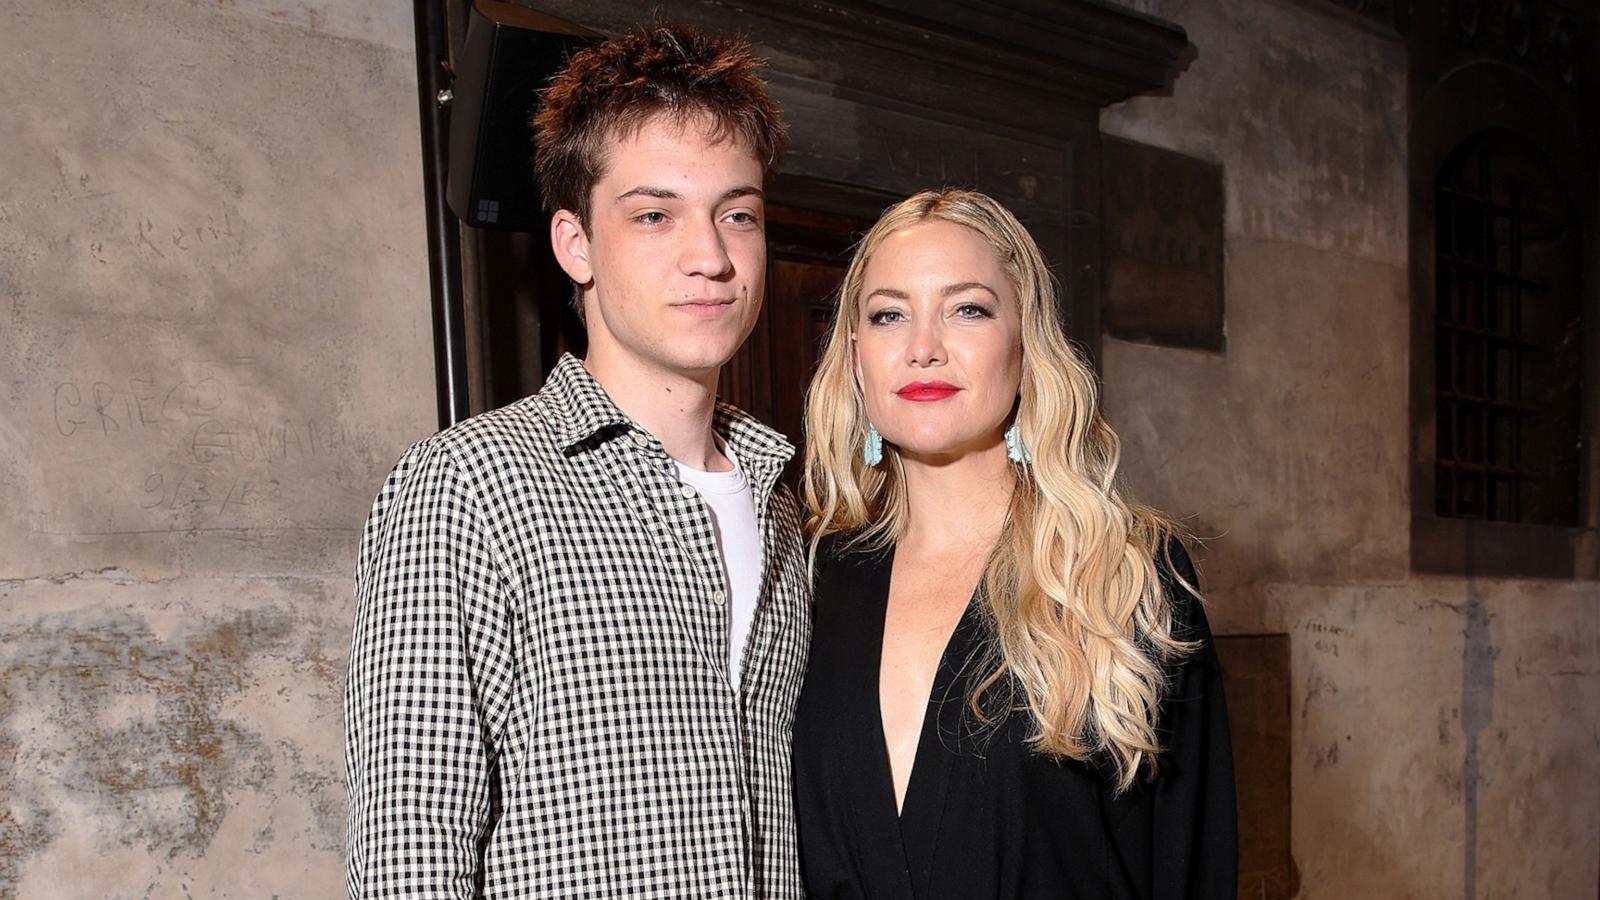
<point>956,503</point>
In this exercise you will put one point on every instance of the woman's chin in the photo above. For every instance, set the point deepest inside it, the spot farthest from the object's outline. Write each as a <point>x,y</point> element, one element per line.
<point>945,452</point>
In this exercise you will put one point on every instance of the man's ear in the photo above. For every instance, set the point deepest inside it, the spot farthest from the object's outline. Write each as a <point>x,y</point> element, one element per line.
<point>571,245</point>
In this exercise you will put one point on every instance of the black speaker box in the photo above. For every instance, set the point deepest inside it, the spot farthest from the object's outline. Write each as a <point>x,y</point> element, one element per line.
<point>509,55</point>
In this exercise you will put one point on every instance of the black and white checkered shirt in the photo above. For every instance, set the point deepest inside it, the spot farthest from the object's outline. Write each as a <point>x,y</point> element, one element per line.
<point>538,703</point>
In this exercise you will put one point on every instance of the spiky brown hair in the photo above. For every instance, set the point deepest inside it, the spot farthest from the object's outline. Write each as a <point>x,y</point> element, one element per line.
<point>610,90</point>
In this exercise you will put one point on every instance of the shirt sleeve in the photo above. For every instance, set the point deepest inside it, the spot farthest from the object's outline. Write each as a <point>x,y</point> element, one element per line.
<point>430,666</point>
<point>1195,823</point>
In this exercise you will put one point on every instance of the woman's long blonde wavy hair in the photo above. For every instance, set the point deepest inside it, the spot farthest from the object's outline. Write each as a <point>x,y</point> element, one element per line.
<point>1082,623</point>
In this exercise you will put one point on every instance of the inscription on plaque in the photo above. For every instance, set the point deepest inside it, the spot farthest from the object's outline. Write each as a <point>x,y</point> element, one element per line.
<point>897,154</point>
<point>1163,246</point>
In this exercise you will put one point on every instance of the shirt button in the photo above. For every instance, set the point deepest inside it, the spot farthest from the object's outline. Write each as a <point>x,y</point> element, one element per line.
<point>639,440</point>
<point>718,597</point>
<point>687,492</point>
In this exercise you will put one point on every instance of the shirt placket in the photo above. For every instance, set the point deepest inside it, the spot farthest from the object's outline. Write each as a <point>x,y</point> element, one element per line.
<point>763,475</point>
<point>710,567</point>
<point>684,526</point>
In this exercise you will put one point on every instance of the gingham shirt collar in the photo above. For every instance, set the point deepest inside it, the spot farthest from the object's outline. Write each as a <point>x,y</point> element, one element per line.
<point>585,410</point>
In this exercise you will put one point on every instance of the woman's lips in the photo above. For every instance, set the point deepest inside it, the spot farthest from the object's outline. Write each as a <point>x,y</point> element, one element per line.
<point>926,391</point>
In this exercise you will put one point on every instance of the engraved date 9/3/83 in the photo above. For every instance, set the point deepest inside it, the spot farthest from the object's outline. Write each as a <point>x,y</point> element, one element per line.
<point>179,491</point>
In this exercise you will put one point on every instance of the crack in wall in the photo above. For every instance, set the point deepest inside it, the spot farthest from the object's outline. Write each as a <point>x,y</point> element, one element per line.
<point>1477,712</point>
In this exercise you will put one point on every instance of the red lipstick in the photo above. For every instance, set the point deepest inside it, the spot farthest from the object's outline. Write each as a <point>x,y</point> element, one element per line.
<point>926,391</point>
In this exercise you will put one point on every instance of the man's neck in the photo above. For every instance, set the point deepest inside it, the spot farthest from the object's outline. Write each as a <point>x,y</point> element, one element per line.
<point>674,406</point>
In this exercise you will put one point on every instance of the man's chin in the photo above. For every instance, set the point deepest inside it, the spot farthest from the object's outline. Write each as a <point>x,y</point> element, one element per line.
<point>700,363</point>
<point>704,355</point>
<point>703,366</point>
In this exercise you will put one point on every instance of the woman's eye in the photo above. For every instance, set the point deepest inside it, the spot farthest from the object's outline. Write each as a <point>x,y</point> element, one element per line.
<point>885,316</point>
<point>974,311</point>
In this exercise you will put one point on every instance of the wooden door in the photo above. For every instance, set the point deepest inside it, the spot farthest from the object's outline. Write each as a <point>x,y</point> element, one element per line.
<point>806,259</point>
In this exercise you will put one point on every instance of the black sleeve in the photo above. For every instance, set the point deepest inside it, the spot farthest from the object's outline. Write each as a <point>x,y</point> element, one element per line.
<point>833,550</point>
<point>827,553</point>
<point>1194,833</point>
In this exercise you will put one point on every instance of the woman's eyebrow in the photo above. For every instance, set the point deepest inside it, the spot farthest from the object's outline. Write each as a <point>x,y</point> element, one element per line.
<point>966,286</point>
<point>891,293</point>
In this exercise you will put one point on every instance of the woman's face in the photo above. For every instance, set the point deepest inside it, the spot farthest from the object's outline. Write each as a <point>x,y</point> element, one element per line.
<point>938,341</point>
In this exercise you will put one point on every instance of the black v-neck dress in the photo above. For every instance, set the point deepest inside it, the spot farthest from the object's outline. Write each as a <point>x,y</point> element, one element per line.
<point>983,816</point>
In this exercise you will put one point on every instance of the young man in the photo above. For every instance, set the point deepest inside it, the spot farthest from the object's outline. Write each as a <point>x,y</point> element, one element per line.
<point>583,618</point>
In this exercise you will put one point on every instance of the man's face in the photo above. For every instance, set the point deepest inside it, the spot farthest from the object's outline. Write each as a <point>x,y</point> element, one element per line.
<point>673,261</point>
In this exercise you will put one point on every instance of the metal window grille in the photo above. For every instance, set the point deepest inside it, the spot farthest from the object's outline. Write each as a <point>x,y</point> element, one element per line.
<point>1482,351</point>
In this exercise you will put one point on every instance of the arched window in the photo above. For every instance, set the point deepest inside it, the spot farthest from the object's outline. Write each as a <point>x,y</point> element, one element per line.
<point>1508,337</point>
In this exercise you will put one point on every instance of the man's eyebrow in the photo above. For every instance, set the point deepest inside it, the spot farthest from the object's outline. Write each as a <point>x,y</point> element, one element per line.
<point>951,289</point>
<point>660,193</point>
<point>645,190</point>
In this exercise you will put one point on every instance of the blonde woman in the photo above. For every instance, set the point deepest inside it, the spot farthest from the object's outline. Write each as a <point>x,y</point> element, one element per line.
<point>1012,691</point>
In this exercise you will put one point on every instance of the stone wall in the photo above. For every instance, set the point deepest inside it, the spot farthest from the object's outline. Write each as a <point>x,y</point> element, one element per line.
<point>1445,730</point>
<point>216,340</point>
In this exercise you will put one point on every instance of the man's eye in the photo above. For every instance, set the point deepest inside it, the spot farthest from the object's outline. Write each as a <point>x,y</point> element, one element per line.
<point>742,218</point>
<point>651,218</point>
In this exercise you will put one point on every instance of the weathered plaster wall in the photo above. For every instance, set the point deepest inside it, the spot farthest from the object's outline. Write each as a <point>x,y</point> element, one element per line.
<point>1446,731</point>
<point>215,341</point>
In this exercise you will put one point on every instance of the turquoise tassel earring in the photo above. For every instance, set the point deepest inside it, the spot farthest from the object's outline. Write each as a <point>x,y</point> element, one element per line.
<point>1015,448</point>
<point>872,447</point>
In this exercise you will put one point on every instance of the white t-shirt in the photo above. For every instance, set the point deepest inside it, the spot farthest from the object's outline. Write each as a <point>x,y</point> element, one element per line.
<point>733,516</point>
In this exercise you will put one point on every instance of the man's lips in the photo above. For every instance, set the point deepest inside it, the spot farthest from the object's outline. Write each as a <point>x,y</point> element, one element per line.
<point>707,306</point>
<point>924,391</point>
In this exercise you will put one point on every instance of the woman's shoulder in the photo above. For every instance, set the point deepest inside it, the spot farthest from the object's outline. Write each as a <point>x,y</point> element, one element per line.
<point>848,596</point>
<point>843,550</point>
<point>1181,584</point>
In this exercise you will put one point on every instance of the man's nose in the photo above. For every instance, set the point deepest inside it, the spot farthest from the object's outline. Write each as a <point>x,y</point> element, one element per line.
<point>703,251</point>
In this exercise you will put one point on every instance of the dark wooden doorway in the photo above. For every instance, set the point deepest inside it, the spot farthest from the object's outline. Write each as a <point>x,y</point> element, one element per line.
<point>807,253</point>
